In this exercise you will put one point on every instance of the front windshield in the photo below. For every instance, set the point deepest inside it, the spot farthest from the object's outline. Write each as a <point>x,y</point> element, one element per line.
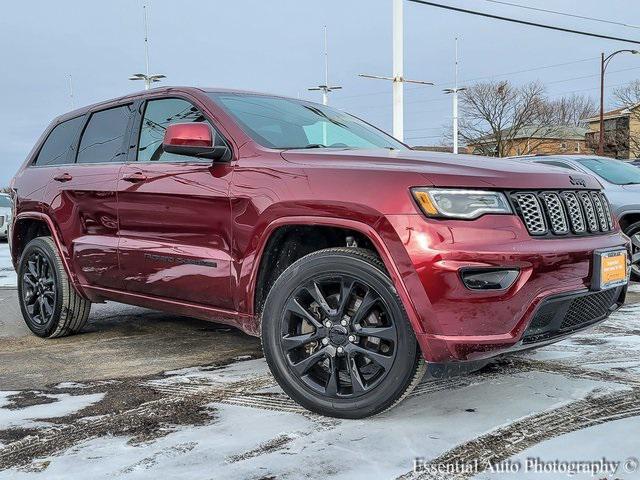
<point>284,123</point>
<point>613,171</point>
<point>5,202</point>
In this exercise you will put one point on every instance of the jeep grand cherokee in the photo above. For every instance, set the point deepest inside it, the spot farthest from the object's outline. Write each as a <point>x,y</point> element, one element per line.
<point>356,259</point>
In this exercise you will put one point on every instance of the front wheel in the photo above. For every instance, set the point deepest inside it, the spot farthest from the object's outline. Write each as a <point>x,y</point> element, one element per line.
<point>50,306</point>
<point>633,232</point>
<point>336,336</point>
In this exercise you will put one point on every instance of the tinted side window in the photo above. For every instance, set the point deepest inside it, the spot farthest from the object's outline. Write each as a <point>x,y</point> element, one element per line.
<point>158,115</point>
<point>56,148</point>
<point>102,140</point>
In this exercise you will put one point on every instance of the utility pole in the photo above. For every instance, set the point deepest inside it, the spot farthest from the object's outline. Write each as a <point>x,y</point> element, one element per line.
<point>604,63</point>
<point>454,91</point>
<point>326,88</point>
<point>398,71</point>
<point>148,79</point>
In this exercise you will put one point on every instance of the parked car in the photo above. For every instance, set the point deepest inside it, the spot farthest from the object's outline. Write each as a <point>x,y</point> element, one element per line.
<point>6,208</point>
<point>354,258</point>
<point>621,183</point>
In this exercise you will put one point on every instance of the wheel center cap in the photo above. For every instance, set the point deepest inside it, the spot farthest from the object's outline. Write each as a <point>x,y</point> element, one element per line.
<point>338,335</point>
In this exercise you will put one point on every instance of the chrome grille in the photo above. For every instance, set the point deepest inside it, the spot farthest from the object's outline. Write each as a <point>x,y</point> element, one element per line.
<point>589,211</point>
<point>574,212</point>
<point>531,212</point>
<point>555,211</point>
<point>563,212</point>
<point>1,220</point>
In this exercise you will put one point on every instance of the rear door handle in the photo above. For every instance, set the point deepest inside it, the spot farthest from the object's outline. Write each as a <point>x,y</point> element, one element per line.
<point>63,177</point>
<point>134,177</point>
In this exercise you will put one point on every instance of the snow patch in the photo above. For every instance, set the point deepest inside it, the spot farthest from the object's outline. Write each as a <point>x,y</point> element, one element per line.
<point>29,417</point>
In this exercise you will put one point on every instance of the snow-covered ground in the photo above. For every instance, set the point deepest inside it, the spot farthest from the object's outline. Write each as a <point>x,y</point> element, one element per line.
<point>578,400</point>
<point>7,273</point>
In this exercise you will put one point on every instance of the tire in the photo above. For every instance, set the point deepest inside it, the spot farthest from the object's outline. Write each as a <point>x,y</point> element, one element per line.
<point>370,359</point>
<point>633,232</point>
<point>41,275</point>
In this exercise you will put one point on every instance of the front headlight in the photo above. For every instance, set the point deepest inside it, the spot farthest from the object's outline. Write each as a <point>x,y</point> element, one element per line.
<point>464,204</point>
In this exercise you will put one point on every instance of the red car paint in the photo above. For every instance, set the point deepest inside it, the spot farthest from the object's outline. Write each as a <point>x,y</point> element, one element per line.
<point>121,226</point>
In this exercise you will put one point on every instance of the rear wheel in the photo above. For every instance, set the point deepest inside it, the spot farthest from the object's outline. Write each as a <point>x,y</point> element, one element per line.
<point>50,306</point>
<point>633,232</point>
<point>336,336</point>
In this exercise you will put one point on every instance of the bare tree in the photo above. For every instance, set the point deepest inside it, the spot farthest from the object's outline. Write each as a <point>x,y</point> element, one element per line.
<point>498,118</point>
<point>495,114</point>
<point>629,95</point>
<point>573,110</point>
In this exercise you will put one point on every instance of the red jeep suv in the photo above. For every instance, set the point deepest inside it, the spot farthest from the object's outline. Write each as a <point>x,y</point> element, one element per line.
<point>357,260</point>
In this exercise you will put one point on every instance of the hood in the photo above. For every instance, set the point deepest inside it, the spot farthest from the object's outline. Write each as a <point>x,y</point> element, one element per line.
<point>446,170</point>
<point>632,188</point>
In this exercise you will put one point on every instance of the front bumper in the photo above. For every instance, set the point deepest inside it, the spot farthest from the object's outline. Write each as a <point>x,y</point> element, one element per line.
<point>454,323</point>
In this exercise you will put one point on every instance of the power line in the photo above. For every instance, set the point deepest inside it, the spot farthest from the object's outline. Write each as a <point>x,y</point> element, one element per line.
<point>590,76</point>
<point>526,22</point>
<point>573,15</point>
<point>487,77</point>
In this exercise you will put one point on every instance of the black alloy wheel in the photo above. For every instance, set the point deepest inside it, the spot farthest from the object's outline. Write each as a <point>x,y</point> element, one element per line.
<point>39,288</point>
<point>336,336</point>
<point>50,305</point>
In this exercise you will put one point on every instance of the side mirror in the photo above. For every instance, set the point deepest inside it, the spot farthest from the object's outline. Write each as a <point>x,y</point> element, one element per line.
<point>194,140</point>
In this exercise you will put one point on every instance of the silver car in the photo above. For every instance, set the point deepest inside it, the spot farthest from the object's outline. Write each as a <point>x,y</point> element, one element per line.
<point>621,183</point>
<point>6,208</point>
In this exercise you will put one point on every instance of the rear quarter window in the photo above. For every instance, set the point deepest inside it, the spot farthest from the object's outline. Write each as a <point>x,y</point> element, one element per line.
<point>57,147</point>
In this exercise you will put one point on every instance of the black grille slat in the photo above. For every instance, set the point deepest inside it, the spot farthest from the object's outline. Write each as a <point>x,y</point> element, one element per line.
<point>556,213</point>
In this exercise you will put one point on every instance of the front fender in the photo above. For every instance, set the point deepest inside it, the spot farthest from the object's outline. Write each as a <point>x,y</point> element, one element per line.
<point>382,235</point>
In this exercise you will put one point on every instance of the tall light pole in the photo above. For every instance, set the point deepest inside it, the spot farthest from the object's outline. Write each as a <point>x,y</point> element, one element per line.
<point>148,78</point>
<point>398,71</point>
<point>604,63</point>
<point>71,91</point>
<point>454,91</point>
<point>327,87</point>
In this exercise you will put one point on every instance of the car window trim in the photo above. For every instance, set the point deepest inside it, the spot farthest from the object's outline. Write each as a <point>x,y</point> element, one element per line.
<point>132,157</point>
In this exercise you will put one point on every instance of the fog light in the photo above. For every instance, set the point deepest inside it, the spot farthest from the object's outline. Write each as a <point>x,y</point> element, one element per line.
<point>488,279</point>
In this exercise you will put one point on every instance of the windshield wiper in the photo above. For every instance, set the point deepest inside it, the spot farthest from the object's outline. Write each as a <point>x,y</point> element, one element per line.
<point>315,145</point>
<point>312,145</point>
<point>631,183</point>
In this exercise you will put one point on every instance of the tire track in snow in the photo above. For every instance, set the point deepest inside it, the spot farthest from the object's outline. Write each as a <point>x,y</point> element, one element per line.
<point>505,442</point>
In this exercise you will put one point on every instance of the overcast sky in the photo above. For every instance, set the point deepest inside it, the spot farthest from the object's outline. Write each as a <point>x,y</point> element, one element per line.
<point>276,46</point>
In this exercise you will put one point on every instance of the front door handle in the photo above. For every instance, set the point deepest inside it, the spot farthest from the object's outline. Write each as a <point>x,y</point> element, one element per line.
<point>63,177</point>
<point>134,177</point>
